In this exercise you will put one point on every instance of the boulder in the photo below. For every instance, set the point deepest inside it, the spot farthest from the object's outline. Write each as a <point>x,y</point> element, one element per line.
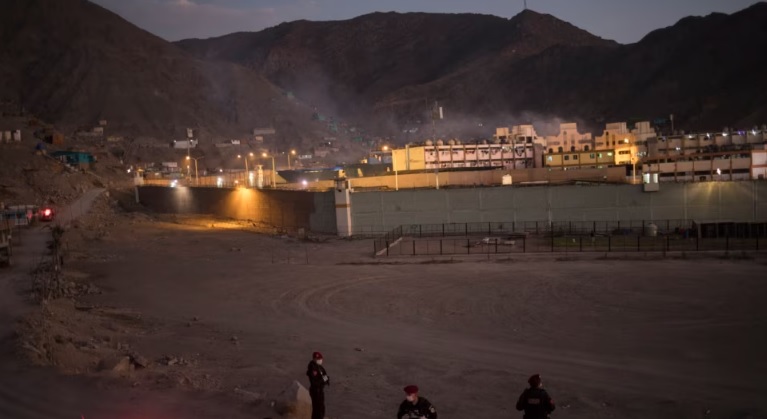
<point>294,402</point>
<point>116,364</point>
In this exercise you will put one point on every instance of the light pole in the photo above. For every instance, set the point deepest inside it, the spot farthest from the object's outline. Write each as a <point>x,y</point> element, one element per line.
<point>196,173</point>
<point>273,173</point>
<point>394,166</point>
<point>247,171</point>
<point>293,152</point>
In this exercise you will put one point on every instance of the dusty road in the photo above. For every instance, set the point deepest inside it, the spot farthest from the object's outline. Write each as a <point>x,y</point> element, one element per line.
<point>622,339</point>
<point>661,339</point>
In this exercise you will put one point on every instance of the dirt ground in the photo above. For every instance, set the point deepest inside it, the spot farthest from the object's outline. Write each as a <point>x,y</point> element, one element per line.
<point>204,318</point>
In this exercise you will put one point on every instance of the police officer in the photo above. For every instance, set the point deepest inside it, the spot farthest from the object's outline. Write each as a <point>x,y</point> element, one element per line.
<point>415,407</point>
<point>318,379</point>
<point>535,401</point>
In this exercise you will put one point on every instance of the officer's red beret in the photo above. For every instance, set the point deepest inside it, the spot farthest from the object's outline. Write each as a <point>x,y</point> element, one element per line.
<point>535,380</point>
<point>317,355</point>
<point>411,389</point>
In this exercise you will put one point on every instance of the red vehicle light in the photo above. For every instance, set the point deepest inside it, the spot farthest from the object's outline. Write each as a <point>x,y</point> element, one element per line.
<point>47,212</point>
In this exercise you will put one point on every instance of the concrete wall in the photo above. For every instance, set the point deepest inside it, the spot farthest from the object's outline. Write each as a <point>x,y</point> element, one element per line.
<point>287,209</point>
<point>382,211</point>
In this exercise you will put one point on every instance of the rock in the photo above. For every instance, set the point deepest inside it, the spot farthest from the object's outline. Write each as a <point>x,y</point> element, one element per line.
<point>359,349</point>
<point>117,364</point>
<point>139,361</point>
<point>294,402</point>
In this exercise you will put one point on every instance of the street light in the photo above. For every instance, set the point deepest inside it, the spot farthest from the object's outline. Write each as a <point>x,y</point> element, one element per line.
<point>196,173</point>
<point>247,171</point>
<point>293,152</point>
<point>394,166</point>
<point>273,173</point>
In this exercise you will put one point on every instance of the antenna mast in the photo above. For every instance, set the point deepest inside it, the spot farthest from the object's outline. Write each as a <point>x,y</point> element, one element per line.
<point>525,4</point>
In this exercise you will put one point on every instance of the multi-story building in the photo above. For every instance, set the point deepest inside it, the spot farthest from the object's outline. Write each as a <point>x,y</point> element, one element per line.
<point>622,154</point>
<point>708,156</point>
<point>569,139</point>
<point>454,155</point>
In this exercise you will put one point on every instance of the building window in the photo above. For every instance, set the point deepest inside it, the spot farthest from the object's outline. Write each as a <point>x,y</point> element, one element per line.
<point>572,148</point>
<point>551,150</point>
<point>591,155</point>
<point>610,154</point>
<point>560,149</point>
<point>575,157</point>
<point>567,157</point>
<point>549,158</point>
<point>586,148</point>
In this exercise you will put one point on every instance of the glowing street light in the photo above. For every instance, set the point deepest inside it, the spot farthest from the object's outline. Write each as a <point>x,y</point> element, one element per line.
<point>196,173</point>
<point>293,152</point>
<point>247,171</point>
<point>394,166</point>
<point>264,155</point>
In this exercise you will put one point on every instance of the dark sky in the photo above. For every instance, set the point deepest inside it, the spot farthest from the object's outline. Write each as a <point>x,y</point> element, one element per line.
<point>625,21</point>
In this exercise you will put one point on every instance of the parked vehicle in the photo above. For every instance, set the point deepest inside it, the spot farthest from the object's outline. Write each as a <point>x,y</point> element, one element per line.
<point>47,214</point>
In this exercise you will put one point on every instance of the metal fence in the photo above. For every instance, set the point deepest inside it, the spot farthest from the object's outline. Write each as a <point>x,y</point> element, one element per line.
<point>383,243</point>
<point>568,244</point>
<point>575,236</point>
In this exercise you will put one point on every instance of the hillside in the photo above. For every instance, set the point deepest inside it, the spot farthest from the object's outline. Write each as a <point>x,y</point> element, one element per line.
<point>348,66</point>
<point>72,63</point>
<point>704,70</point>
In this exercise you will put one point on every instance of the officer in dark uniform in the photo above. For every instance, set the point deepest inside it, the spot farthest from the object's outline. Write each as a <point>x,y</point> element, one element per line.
<point>535,401</point>
<point>318,379</point>
<point>415,407</point>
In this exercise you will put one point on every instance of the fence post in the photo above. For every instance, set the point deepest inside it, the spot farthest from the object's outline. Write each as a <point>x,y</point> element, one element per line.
<point>536,228</point>
<point>697,243</point>
<point>639,243</point>
<point>387,247</point>
<point>489,229</point>
<point>413,247</point>
<point>552,240</point>
<point>443,229</point>
<point>440,246</point>
<point>727,240</point>
<point>668,242</point>
<point>468,247</point>
<point>496,246</point>
<point>609,243</point>
<point>420,230</point>
<point>466,228</point>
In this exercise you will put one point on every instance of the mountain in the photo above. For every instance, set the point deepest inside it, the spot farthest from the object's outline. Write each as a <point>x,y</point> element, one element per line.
<point>707,71</point>
<point>73,63</point>
<point>349,65</point>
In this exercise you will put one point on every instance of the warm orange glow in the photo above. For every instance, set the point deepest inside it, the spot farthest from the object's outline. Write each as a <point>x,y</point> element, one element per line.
<point>263,155</point>
<point>293,152</point>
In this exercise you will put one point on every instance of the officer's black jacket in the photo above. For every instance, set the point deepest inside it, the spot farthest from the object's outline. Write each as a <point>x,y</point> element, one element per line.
<point>318,377</point>
<point>422,407</point>
<point>536,403</point>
